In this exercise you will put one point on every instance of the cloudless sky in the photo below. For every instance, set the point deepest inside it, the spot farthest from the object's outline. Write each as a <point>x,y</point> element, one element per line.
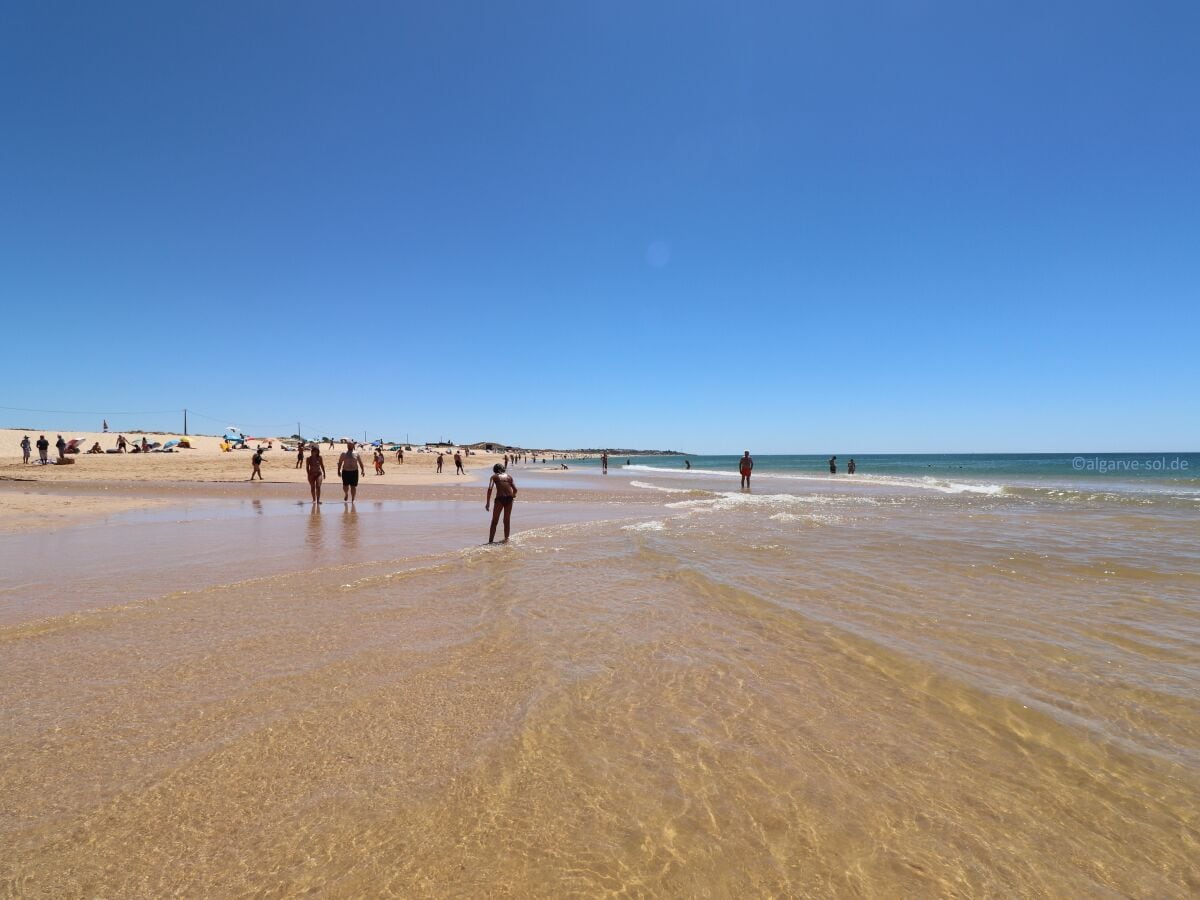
<point>784,226</point>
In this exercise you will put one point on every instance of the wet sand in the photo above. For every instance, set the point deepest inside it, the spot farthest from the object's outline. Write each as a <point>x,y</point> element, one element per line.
<point>669,691</point>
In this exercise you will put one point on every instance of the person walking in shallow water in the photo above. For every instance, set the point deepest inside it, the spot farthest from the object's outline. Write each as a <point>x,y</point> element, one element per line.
<point>604,462</point>
<point>833,465</point>
<point>851,467</point>
<point>349,466</point>
<point>745,467</point>
<point>316,472</point>
<point>506,493</point>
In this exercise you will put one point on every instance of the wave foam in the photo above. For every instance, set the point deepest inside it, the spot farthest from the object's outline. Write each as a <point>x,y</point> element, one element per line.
<point>645,526</point>
<point>924,483</point>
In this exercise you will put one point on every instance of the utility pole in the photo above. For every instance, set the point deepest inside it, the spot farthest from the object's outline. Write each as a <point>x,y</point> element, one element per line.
<point>185,423</point>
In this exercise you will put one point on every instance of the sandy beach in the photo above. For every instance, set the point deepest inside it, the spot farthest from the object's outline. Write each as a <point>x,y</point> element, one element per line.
<point>86,489</point>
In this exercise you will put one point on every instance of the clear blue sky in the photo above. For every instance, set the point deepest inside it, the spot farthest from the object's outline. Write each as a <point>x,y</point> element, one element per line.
<point>788,226</point>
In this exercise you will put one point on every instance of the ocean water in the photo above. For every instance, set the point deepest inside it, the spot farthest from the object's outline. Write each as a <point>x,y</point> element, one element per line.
<point>1171,471</point>
<point>911,683</point>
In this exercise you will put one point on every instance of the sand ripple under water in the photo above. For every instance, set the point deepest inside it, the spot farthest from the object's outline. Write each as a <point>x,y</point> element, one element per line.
<point>878,694</point>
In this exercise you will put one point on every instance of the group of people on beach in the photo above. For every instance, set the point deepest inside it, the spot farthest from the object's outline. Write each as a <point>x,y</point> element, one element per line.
<point>746,467</point>
<point>350,466</point>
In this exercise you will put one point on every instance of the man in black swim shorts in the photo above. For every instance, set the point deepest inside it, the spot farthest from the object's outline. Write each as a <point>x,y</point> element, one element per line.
<point>349,465</point>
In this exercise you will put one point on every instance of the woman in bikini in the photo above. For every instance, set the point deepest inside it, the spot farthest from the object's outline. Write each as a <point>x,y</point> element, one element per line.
<point>316,472</point>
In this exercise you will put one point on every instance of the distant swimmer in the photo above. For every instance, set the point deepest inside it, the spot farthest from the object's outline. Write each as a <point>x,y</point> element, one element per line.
<point>316,472</point>
<point>833,465</point>
<point>256,461</point>
<point>745,466</point>
<point>26,448</point>
<point>604,462</point>
<point>349,465</point>
<point>687,463</point>
<point>458,466</point>
<point>506,493</point>
<point>851,467</point>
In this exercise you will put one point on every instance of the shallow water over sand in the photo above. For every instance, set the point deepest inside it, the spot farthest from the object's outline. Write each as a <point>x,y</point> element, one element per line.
<point>844,690</point>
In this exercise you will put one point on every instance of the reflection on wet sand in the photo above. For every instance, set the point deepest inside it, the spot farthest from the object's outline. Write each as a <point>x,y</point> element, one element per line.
<point>314,533</point>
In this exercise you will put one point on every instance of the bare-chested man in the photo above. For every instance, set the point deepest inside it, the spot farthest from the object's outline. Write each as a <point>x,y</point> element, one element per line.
<point>506,493</point>
<point>316,471</point>
<point>458,466</point>
<point>746,466</point>
<point>349,466</point>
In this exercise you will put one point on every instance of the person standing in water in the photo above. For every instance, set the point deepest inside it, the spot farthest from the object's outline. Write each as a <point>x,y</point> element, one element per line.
<point>349,466</point>
<point>604,462</point>
<point>745,467</point>
<point>833,465</point>
<point>316,472</point>
<point>506,493</point>
<point>687,463</point>
<point>851,467</point>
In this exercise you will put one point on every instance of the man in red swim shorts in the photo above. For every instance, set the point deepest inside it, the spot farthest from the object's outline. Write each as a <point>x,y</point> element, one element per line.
<point>746,466</point>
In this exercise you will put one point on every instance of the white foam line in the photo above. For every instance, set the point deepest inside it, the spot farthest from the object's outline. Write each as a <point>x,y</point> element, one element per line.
<point>924,483</point>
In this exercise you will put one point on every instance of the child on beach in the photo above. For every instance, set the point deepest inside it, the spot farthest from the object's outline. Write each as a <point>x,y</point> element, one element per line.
<point>506,493</point>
